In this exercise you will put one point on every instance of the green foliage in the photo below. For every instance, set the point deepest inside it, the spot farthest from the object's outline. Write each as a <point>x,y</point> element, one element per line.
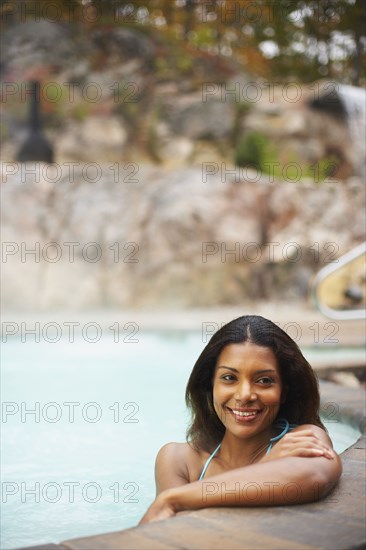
<point>254,149</point>
<point>4,131</point>
<point>185,64</point>
<point>81,111</point>
<point>257,151</point>
<point>152,142</point>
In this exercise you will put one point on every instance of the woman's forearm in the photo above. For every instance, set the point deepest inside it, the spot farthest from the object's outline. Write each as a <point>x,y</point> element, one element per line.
<point>291,480</point>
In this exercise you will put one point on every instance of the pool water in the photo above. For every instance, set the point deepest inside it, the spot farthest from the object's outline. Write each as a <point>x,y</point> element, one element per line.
<point>82,462</point>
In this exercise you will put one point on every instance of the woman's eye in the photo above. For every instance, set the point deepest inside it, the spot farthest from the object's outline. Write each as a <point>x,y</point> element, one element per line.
<point>228,377</point>
<point>265,380</point>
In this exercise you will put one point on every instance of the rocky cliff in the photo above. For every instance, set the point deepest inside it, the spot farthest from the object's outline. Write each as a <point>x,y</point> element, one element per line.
<point>158,238</point>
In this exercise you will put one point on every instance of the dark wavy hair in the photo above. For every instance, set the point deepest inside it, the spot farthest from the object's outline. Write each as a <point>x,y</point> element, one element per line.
<point>301,404</point>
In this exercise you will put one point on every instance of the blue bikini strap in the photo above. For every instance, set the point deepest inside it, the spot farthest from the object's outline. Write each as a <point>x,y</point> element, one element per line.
<point>281,422</point>
<point>208,461</point>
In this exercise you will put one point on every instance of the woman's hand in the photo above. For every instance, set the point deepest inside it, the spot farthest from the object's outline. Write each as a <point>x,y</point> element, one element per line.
<point>304,443</point>
<point>161,508</point>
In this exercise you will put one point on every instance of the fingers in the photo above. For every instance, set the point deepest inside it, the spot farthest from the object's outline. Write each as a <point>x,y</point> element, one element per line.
<point>304,452</point>
<point>315,444</point>
<point>326,453</point>
<point>304,443</point>
<point>314,449</point>
<point>307,439</point>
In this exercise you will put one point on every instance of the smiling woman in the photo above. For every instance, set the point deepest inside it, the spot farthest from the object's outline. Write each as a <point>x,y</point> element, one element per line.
<point>255,430</point>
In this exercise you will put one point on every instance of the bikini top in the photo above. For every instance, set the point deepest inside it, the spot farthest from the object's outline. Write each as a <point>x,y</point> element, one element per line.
<point>281,423</point>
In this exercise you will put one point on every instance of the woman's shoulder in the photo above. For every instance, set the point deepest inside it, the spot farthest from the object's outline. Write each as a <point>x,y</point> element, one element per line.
<point>174,450</point>
<point>180,452</point>
<point>185,460</point>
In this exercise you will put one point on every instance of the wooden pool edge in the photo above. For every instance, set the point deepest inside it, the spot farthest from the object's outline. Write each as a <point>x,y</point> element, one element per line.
<point>336,522</point>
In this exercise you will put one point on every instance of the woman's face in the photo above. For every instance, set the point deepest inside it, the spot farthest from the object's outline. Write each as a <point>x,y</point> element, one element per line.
<point>247,388</point>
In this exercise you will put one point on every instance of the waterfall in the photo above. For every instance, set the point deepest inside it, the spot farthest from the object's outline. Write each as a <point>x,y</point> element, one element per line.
<point>354,102</point>
<point>348,105</point>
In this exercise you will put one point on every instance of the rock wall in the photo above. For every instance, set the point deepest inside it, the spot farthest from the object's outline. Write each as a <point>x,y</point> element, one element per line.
<point>161,239</point>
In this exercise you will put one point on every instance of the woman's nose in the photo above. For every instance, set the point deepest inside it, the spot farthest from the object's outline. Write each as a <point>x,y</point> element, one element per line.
<point>245,393</point>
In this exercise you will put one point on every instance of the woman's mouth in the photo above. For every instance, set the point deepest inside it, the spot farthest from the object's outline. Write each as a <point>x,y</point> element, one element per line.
<point>244,415</point>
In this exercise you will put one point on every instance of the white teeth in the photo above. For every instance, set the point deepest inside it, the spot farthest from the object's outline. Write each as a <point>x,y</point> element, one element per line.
<point>241,413</point>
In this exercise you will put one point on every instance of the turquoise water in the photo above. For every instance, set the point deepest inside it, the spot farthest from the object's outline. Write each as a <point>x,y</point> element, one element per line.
<point>83,463</point>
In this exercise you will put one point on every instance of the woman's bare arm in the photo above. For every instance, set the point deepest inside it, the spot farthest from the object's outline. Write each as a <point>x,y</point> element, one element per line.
<point>278,481</point>
<point>285,481</point>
